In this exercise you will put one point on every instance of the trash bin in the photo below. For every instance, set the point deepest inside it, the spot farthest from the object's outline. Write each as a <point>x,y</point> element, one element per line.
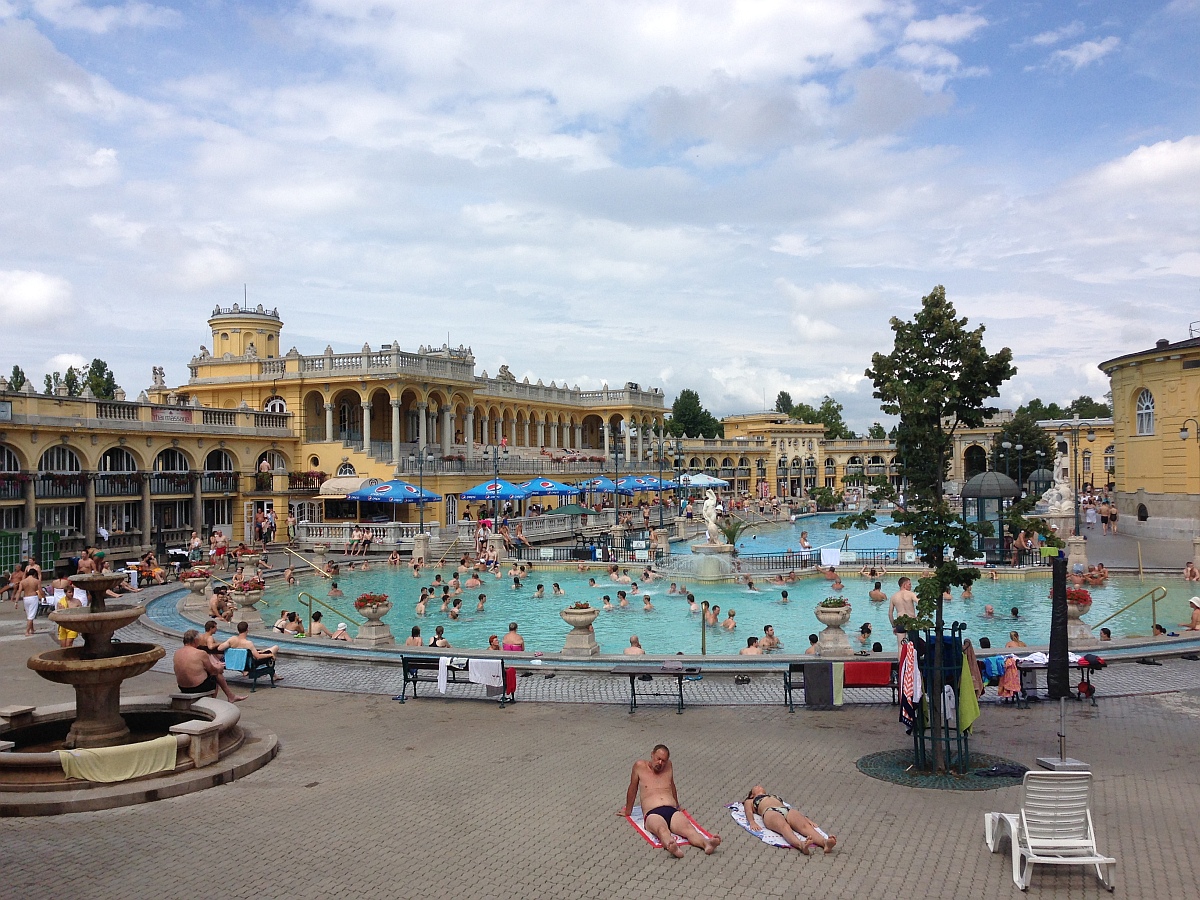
<point>818,685</point>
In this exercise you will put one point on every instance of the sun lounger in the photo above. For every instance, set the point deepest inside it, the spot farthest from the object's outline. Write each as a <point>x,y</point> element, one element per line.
<point>1053,827</point>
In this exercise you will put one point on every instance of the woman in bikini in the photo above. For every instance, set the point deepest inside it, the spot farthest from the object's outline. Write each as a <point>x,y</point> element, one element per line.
<point>778,815</point>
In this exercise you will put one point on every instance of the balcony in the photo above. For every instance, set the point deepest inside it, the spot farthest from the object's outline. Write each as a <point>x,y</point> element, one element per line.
<point>118,484</point>
<point>52,485</point>
<point>12,486</point>
<point>170,483</point>
<point>305,482</point>
<point>219,483</point>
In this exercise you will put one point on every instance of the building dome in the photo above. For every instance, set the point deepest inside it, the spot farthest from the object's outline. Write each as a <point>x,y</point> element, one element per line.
<point>990,486</point>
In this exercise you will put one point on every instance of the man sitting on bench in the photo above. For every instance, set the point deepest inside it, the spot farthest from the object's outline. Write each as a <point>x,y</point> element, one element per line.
<point>197,672</point>
<point>241,640</point>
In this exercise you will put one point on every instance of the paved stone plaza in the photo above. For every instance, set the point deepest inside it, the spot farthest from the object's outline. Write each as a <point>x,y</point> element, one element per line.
<point>457,798</point>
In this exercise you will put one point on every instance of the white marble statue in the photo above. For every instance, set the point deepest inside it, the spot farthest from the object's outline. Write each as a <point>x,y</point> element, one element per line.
<point>709,512</point>
<point>1060,498</point>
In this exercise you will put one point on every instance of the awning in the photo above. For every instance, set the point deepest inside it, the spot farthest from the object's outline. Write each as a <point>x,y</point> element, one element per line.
<point>338,487</point>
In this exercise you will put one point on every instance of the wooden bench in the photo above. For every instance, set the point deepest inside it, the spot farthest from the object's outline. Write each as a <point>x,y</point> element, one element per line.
<point>865,673</point>
<point>414,666</point>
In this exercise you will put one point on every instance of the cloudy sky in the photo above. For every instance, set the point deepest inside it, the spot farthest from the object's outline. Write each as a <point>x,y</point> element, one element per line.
<point>728,196</point>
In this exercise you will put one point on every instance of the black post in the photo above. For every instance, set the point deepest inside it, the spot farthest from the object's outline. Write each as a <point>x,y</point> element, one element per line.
<point>36,550</point>
<point>1058,674</point>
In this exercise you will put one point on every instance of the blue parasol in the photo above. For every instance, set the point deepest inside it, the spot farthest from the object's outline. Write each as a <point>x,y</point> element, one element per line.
<point>496,489</point>
<point>394,491</point>
<point>547,487</point>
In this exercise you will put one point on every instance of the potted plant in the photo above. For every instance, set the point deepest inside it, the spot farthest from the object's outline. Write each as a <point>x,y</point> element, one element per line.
<point>580,616</point>
<point>1079,601</point>
<point>196,578</point>
<point>833,613</point>
<point>373,607</point>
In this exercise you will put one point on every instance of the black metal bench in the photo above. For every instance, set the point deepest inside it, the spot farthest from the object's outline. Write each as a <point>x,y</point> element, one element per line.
<point>252,667</point>
<point>414,666</point>
<point>793,679</point>
<point>636,671</point>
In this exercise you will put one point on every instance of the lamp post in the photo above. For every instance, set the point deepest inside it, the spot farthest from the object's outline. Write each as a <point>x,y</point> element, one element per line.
<point>418,459</point>
<point>1007,445</point>
<point>1184,434</point>
<point>496,450</point>
<point>661,447</point>
<point>616,455</point>
<point>1073,427</point>
<point>1019,448</point>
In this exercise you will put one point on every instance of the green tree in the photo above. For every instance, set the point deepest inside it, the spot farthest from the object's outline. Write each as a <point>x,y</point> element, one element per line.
<point>1087,408</point>
<point>689,417</point>
<point>51,383</point>
<point>937,379</point>
<point>829,414</point>
<point>876,432</point>
<point>1023,430</point>
<point>72,382</point>
<point>825,497</point>
<point>101,380</point>
<point>17,380</point>
<point>783,403</point>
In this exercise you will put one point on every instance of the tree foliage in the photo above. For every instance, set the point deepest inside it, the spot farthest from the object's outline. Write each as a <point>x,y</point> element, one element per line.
<point>825,497</point>
<point>689,417</point>
<point>829,414</point>
<point>101,380</point>
<point>1023,430</point>
<point>876,432</point>
<point>783,403</point>
<point>1084,407</point>
<point>17,380</point>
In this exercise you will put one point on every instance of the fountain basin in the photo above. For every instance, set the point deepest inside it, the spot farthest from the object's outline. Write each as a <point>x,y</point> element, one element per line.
<point>85,620</point>
<point>70,666</point>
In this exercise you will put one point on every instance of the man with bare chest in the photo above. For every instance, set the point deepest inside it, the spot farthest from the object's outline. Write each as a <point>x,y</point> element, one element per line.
<point>655,780</point>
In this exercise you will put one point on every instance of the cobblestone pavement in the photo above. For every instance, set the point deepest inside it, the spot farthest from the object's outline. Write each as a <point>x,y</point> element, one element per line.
<point>458,798</point>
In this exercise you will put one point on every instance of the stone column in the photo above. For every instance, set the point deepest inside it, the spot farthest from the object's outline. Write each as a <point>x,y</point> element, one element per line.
<point>469,432</point>
<point>198,503</point>
<point>485,424</point>
<point>578,445</point>
<point>447,430</point>
<point>641,447</point>
<point>1076,554</point>
<point>396,434</point>
<point>329,421</point>
<point>89,508</point>
<point>147,514</point>
<point>525,438</point>
<point>366,409</point>
<point>541,434</point>
<point>1196,551</point>
<point>422,424</point>
<point>555,435</point>
<point>30,491</point>
<point>605,428</point>
<point>627,443</point>
<point>499,430</point>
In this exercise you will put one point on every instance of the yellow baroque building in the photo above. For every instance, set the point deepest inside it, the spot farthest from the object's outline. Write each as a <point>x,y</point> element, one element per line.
<point>1156,404</point>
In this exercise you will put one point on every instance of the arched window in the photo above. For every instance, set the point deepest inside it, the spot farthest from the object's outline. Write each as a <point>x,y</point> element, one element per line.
<point>346,469</point>
<point>171,460</point>
<point>274,459</point>
<point>1110,458</point>
<point>710,463</point>
<point>59,459</point>
<point>8,460</point>
<point>275,405</point>
<point>1145,412</point>
<point>830,466</point>
<point>218,461</point>
<point>727,463</point>
<point>1087,462</point>
<point>117,459</point>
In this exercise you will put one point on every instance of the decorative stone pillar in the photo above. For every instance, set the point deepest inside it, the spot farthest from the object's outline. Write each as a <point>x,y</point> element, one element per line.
<point>373,632</point>
<point>525,437</point>
<point>421,546</point>
<point>329,421</point>
<point>605,428</point>
<point>641,443</point>
<point>366,437</point>
<point>499,430</point>
<point>422,424</point>
<point>578,445</point>
<point>469,432</point>
<point>198,503</point>
<point>541,434</point>
<point>484,425</point>
<point>447,430</point>
<point>89,508</point>
<point>496,546</point>
<point>30,491</point>
<point>1196,552</point>
<point>148,514</point>
<point>1076,555</point>
<point>904,551</point>
<point>396,434</point>
<point>628,437</point>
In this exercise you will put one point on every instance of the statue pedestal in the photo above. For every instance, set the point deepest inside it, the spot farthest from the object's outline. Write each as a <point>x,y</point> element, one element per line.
<point>1079,634</point>
<point>1196,551</point>
<point>1064,524</point>
<point>496,545</point>
<point>715,560</point>
<point>680,527</point>
<point>421,547</point>
<point>1076,555</point>
<point>904,550</point>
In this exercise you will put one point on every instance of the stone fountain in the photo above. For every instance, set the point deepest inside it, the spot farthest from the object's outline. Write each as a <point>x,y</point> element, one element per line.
<point>97,669</point>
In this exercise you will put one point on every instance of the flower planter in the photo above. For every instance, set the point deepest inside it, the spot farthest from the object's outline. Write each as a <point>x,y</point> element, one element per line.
<point>197,594</point>
<point>374,633</point>
<point>581,639</point>
<point>246,610</point>
<point>319,551</point>
<point>1079,633</point>
<point>249,564</point>
<point>833,641</point>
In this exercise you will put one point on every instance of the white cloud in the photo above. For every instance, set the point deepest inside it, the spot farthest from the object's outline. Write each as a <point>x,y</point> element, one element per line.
<point>928,56</point>
<point>1050,38</point>
<point>945,29</point>
<point>103,19</point>
<point>1084,54</point>
<point>64,361</point>
<point>28,298</point>
<point>795,245</point>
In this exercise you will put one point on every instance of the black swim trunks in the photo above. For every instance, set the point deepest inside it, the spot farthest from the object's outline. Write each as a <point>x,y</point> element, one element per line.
<point>208,684</point>
<point>665,811</point>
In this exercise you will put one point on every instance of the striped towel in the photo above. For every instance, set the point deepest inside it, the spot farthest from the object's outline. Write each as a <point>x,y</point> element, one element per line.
<point>638,820</point>
<point>758,829</point>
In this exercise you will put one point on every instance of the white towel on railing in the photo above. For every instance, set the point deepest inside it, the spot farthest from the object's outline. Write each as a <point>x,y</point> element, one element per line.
<point>443,672</point>
<point>831,556</point>
<point>486,672</point>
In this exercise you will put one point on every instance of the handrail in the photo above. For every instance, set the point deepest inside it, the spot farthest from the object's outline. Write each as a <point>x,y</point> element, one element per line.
<point>320,571</point>
<point>312,600</point>
<point>453,544</point>
<point>1154,596</point>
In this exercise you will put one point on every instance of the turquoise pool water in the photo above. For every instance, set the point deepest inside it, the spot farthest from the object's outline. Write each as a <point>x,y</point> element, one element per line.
<point>670,627</point>
<point>780,539</point>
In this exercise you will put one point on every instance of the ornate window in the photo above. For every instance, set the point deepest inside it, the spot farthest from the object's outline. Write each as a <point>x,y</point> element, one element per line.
<point>218,461</point>
<point>59,459</point>
<point>171,460</point>
<point>1145,412</point>
<point>8,460</point>
<point>1110,458</point>
<point>275,405</point>
<point>346,469</point>
<point>117,459</point>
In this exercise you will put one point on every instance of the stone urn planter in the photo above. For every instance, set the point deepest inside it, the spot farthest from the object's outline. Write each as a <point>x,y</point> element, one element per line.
<point>374,633</point>
<point>581,639</point>
<point>249,564</point>
<point>1079,633</point>
<point>197,597</point>
<point>319,552</point>
<point>833,641</point>
<point>246,610</point>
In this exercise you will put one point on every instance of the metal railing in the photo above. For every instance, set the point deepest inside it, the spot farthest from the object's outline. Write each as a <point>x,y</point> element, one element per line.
<point>304,481</point>
<point>1154,594</point>
<point>55,486</point>
<point>11,489</point>
<point>219,482</point>
<point>171,483</point>
<point>118,484</point>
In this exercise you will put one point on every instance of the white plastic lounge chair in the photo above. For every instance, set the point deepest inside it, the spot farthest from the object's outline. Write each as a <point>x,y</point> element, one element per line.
<point>1054,827</point>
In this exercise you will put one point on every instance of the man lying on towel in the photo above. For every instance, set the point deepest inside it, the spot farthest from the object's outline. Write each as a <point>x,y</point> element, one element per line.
<point>655,778</point>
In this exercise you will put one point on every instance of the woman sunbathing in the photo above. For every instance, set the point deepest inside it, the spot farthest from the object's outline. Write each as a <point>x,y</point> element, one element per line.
<point>790,824</point>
